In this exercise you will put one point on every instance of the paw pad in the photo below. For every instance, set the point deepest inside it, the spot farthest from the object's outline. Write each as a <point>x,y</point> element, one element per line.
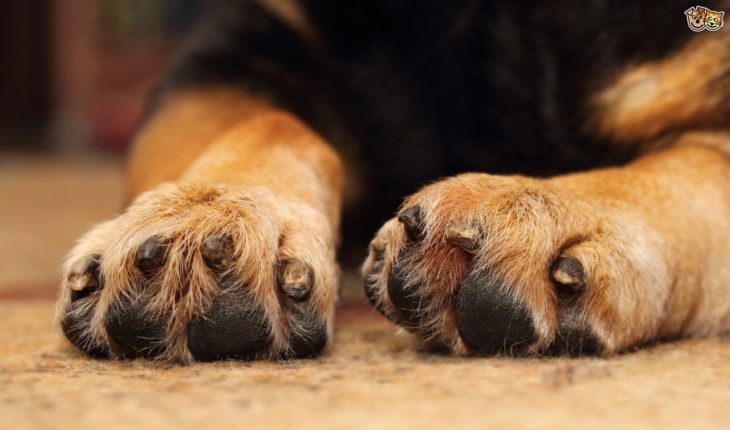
<point>233,328</point>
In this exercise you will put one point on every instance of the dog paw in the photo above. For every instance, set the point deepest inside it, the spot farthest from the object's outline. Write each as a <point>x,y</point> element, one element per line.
<point>481,264</point>
<point>203,272</point>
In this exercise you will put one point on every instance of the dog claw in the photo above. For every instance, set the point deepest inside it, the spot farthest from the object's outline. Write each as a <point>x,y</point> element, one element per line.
<point>151,254</point>
<point>82,282</point>
<point>296,280</point>
<point>84,274</point>
<point>464,236</point>
<point>412,221</point>
<point>568,273</point>
<point>217,252</point>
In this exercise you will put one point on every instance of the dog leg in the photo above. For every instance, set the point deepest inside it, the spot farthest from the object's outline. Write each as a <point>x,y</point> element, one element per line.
<point>596,262</point>
<point>227,249</point>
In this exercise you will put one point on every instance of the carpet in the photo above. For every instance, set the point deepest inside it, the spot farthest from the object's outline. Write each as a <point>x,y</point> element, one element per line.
<point>371,379</point>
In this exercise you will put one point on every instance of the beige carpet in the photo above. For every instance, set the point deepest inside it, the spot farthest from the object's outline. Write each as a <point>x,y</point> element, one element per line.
<point>370,379</point>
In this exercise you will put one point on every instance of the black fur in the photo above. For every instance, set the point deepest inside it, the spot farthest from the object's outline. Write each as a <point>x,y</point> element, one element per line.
<point>410,91</point>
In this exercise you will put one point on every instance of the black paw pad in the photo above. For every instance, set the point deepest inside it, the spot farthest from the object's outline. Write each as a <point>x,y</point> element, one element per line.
<point>409,302</point>
<point>309,337</point>
<point>233,328</point>
<point>489,319</point>
<point>575,341</point>
<point>575,335</point>
<point>74,324</point>
<point>135,332</point>
<point>371,292</point>
<point>370,281</point>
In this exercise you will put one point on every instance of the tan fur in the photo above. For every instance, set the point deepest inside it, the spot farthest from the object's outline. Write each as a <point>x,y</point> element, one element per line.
<point>676,93</point>
<point>184,125</point>
<point>234,168</point>
<point>654,238</point>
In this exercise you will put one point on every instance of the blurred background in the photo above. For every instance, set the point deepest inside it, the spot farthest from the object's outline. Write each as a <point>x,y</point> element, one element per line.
<point>73,79</point>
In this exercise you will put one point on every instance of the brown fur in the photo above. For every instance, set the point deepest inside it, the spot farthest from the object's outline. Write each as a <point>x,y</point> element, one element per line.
<point>184,125</point>
<point>242,170</point>
<point>677,93</point>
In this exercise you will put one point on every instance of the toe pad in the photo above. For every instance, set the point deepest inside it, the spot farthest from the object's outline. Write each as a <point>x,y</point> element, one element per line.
<point>233,328</point>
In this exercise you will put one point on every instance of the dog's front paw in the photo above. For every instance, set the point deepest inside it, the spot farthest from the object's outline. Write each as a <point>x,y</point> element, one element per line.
<point>487,264</point>
<point>203,272</point>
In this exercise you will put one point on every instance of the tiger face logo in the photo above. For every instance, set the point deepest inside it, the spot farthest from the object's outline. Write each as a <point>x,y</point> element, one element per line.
<point>699,18</point>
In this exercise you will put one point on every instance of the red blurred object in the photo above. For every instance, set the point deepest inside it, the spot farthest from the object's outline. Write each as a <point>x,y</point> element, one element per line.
<point>107,57</point>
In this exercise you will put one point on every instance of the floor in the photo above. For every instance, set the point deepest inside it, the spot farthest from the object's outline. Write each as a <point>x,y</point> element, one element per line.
<point>45,204</point>
<point>372,377</point>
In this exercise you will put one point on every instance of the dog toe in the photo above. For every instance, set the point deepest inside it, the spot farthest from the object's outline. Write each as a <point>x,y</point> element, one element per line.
<point>223,275</point>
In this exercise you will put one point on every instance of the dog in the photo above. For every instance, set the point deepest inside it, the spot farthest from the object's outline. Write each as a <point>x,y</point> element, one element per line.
<point>696,18</point>
<point>567,167</point>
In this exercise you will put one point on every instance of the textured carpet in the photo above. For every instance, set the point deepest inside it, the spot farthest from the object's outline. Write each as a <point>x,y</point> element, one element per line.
<point>372,378</point>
